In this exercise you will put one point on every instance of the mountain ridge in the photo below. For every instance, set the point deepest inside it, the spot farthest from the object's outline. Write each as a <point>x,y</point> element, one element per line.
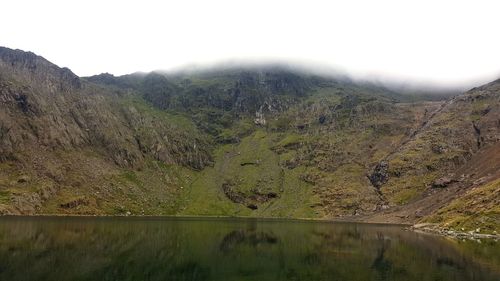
<point>267,143</point>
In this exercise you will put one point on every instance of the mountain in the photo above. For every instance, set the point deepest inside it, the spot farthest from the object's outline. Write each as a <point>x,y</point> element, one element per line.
<point>267,141</point>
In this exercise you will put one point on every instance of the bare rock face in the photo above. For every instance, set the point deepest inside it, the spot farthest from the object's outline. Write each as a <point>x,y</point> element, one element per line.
<point>47,107</point>
<point>380,174</point>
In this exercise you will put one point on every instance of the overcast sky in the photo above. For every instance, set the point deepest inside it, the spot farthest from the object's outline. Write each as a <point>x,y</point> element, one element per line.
<point>449,42</point>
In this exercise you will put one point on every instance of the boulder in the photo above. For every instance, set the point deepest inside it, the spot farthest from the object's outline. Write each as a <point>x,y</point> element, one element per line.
<point>442,182</point>
<point>23,179</point>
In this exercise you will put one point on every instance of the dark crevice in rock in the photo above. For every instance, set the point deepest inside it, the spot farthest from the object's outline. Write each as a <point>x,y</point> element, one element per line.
<point>250,201</point>
<point>250,163</point>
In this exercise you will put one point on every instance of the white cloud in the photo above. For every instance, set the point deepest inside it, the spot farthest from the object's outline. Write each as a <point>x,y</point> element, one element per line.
<point>435,41</point>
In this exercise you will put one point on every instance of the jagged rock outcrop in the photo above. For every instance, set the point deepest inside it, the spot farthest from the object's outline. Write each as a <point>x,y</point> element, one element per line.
<point>380,174</point>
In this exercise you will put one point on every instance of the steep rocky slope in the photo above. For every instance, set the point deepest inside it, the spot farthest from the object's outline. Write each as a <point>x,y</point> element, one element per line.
<point>448,172</point>
<point>50,120</point>
<point>265,141</point>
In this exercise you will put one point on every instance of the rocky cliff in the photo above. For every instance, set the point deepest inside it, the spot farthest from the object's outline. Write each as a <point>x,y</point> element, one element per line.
<point>48,111</point>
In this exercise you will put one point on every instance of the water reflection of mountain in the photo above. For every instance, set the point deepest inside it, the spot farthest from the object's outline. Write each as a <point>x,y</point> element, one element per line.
<point>248,237</point>
<point>179,249</point>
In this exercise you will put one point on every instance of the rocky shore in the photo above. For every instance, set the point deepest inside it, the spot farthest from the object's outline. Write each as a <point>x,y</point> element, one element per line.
<point>436,229</point>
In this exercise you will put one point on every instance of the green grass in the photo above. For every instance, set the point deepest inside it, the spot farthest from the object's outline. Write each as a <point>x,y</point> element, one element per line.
<point>4,196</point>
<point>205,195</point>
<point>290,140</point>
<point>131,176</point>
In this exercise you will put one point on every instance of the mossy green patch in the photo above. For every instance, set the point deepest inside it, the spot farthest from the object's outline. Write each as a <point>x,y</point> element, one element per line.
<point>252,168</point>
<point>4,196</point>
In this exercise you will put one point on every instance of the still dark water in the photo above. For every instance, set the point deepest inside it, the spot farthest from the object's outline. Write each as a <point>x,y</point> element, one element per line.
<point>233,249</point>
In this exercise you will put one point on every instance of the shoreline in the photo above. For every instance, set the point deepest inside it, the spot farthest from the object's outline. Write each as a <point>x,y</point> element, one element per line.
<point>194,217</point>
<point>444,232</point>
<point>425,228</point>
<point>209,217</point>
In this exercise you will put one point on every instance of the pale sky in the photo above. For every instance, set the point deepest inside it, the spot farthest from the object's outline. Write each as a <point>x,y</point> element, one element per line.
<point>449,42</point>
